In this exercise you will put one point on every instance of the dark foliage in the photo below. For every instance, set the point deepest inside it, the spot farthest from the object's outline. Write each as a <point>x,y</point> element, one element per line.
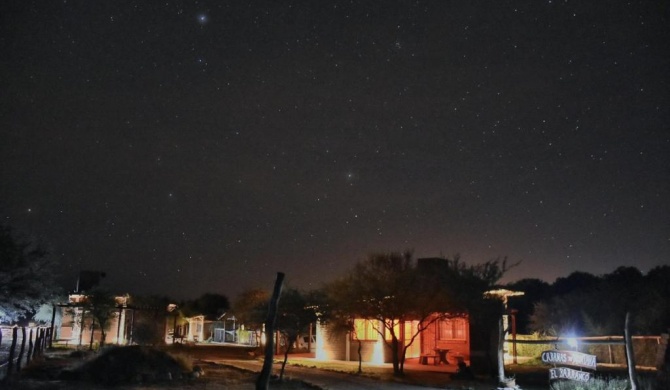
<point>535,290</point>
<point>209,304</point>
<point>26,278</point>
<point>590,305</point>
<point>129,365</point>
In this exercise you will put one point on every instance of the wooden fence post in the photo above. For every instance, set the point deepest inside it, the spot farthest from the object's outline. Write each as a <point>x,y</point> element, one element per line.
<point>51,329</point>
<point>38,343</point>
<point>263,380</point>
<point>22,350</point>
<point>12,352</point>
<point>31,346</point>
<point>43,340</point>
<point>663,369</point>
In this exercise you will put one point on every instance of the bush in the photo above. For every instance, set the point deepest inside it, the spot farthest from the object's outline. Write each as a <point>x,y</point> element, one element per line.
<point>645,383</point>
<point>134,364</point>
<point>593,384</point>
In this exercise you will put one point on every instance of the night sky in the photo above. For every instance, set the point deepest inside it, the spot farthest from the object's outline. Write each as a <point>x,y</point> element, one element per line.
<point>190,147</point>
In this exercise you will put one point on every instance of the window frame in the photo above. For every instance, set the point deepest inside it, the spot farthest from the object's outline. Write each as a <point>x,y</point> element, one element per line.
<point>366,328</point>
<point>455,329</point>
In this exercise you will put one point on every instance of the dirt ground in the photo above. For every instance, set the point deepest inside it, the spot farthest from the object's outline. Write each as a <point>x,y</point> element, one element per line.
<point>45,372</point>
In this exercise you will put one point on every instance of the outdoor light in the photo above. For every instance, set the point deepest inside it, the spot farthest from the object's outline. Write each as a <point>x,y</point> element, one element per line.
<point>572,341</point>
<point>378,353</point>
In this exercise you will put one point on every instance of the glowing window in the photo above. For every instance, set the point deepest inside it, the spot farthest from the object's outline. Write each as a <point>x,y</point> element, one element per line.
<point>365,330</point>
<point>452,329</point>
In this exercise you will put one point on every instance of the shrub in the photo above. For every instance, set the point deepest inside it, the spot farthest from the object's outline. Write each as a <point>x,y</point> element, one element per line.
<point>134,364</point>
<point>593,384</point>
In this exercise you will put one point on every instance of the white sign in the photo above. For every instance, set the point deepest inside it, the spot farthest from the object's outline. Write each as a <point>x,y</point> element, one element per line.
<point>569,373</point>
<point>570,358</point>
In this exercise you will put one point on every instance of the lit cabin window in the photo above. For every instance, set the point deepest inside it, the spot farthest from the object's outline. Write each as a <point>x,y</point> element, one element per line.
<point>365,330</point>
<point>452,329</point>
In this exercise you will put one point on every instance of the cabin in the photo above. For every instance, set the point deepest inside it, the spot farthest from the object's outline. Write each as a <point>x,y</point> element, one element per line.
<point>446,338</point>
<point>444,341</point>
<point>77,327</point>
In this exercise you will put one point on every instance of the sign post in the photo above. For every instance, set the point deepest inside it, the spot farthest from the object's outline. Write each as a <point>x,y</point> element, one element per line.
<point>572,359</point>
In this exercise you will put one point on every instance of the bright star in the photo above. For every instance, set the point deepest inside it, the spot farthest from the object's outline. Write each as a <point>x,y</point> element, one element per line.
<point>202,18</point>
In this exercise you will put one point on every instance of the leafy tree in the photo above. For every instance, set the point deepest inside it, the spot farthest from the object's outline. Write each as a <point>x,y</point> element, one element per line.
<point>209,304</point>
<point>557,316</point>
<point>26,278</point>
<point>335,308</point>
<point>389,289</point>
<point>576,281</point>
<point>250,309</point>
<point>585,304</point>
<point>294,314</point>
<point>293,317</point>
<point>654,317</point>
<point>149,319</point>
<point>100,307</point>
<point>535,291</point>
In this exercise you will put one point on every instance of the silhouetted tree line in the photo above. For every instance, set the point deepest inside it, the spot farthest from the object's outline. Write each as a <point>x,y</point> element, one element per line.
<point>590,305</point>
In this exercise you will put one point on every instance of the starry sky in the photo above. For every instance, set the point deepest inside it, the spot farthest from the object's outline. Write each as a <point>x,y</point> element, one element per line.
<point>201,146</point>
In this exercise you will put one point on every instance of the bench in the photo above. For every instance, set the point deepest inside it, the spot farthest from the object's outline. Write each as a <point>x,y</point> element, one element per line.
<point>423,359</point>
<point>64,341</point>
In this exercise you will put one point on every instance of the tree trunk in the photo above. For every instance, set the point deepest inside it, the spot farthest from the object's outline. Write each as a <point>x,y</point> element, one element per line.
<point>397,371</point>
<point>263,381</point>
<point>118,327</point>
<point>90,344</point>
<point>630,354</point>
<point>360,356</point>
<point>283,365</point>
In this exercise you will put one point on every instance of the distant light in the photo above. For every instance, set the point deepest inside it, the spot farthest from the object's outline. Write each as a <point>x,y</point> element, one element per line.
<point>572,342</point>
<point>202,19</point>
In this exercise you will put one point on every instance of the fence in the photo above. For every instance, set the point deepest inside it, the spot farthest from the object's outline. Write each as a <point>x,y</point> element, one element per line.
<point>649,350</point>
<point>20,345</point>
